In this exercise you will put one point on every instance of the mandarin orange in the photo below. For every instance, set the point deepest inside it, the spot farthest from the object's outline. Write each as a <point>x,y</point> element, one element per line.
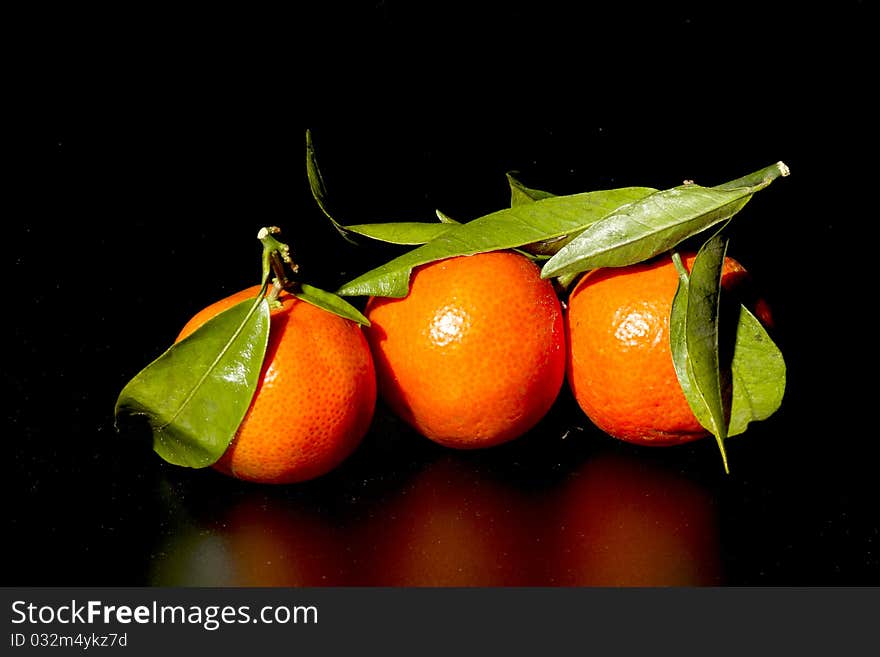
<point>474,355</point>
<point>315,398</point>
<point>619,358</point>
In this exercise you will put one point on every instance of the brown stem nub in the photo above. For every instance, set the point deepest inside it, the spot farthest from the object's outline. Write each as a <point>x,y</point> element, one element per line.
<point>277,260</point>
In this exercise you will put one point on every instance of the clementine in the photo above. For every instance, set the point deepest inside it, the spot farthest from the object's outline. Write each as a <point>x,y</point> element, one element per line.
<point>315,398</point>
<point>619,359</point>
<point>474,355</point>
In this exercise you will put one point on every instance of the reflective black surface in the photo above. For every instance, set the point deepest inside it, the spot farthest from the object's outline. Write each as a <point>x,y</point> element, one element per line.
<point>128,229</point>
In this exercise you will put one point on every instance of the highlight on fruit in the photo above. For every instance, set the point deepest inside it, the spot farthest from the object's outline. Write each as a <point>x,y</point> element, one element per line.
<point>628,296</point>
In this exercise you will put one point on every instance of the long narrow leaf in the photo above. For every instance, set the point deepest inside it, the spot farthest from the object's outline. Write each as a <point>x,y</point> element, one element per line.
<point>404,233</point>
<point>505,229</point>
<point>657,223</point>
<point>319,191</point>
<point>704,368</point>
<point>330,302</point>
<point>678,345</point>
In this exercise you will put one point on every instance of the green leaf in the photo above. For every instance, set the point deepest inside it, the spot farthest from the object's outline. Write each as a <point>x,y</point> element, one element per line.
<point>678,345</point>
<point>520,194</point>
<point>657,223</point>
<point>330,302</point>
<point>402,232</point>
<point>702,385</point>
<point>319,191</point>
<point>195,395</point>
<point>756,369</point>
<point>407,233</point>
<point>505,229</point>
<point>444,218</point>
<point>758,374</point>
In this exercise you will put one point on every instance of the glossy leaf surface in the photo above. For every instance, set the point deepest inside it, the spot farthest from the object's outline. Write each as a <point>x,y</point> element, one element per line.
<point>513,227</point>
<point>657,223</point>
<point>701,335</point>
<point>678,346</point>
<point>758,374</point>
<point>330,302</point>
<point>693,337</point>
<point>195,395</point>
<point>522,195</point>
<point>756,370</point>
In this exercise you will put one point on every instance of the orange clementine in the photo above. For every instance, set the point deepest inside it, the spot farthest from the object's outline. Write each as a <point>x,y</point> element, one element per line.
<point>474,355</point>
<point>619,358</point>
<point>315,398</point>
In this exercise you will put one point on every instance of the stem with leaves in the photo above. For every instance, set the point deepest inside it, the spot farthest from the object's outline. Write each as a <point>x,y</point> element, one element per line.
<point>277,261</point>
<point>276,255</point>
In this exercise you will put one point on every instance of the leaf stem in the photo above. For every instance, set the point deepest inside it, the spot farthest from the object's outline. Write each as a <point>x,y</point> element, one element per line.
<point>758,180</point>
<point>679,266</point>
<point>277,261</point>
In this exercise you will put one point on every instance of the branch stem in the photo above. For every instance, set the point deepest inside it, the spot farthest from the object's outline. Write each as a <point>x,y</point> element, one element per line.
<point>276,262</point>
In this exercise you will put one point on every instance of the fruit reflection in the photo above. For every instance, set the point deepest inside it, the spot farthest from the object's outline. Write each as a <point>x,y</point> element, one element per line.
<point>450,526</point>
<point>617,519</point>
<point>627,521</point>
<point>277,544</point>
<point>192,556</point>
<point>260,541</point>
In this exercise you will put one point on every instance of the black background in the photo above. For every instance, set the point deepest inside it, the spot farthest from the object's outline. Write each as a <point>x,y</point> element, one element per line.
<point>154,150</point>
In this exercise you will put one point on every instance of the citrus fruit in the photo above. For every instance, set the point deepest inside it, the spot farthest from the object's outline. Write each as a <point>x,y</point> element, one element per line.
<point>314,400</point>
<point>474,355</point>
<point>619,358</point>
